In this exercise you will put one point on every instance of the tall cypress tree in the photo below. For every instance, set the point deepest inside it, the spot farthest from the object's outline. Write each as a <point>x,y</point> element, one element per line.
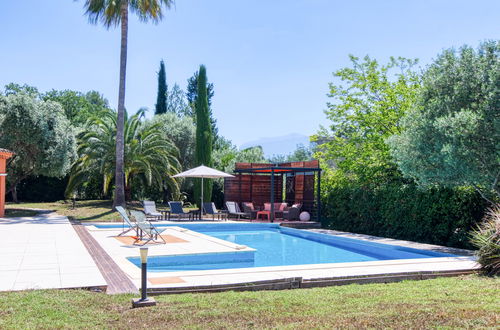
<point>192,93</point>
<point>161,98</point>
<point>203,151</point>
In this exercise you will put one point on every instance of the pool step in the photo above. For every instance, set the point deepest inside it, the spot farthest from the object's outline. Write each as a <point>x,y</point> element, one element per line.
<point>301,224</point>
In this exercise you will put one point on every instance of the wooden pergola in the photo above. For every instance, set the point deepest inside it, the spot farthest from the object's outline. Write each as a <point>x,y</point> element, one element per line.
<point>4,155</point>
<point>293,183</point>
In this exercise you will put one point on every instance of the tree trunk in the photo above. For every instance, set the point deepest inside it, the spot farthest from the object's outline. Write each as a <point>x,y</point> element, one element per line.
<point>120,143</point>
<point>13,192</point>
<point>128,193</point>
<point>13,187</point>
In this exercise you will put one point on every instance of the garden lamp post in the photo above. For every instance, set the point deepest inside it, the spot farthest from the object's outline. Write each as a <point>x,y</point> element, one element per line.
<point>144,301</point>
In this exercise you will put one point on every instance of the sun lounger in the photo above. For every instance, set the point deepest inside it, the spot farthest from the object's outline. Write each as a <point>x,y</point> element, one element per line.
<point>126,221</point>
<point>176,209</point>
<point>234,209</point>
<point>147,232</point>
<point>150,211</point>
<point>212,210</point>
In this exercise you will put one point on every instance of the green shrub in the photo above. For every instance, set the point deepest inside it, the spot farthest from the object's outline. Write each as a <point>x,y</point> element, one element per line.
<point>441,216</point>
<point>41,189</point>
<point>487,239</point>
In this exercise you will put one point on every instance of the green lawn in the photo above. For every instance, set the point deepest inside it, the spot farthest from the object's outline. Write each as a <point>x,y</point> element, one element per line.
<point>470,301</point>
<point>90,210</point>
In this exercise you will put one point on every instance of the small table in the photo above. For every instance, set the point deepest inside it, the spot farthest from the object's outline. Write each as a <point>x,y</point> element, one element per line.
<point>266,213</point>
<point>165,214</point>
<point>196,214</point>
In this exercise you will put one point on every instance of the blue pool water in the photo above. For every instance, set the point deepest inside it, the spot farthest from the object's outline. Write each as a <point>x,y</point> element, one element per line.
<point>278,246</point>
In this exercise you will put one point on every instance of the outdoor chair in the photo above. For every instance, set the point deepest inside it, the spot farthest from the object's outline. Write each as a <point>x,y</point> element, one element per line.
<point>176,209</point>
<point>234,209</point>
<point>126,220</point>
<point>279,209</point>
<point>150,211</point>
<point>292,213</point>
<point>147,232</point>
<point>249,208</point>
<point>212,210</point>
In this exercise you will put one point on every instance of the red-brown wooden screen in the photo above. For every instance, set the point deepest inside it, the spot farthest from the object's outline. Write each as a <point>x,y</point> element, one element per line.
<point>256,186</point>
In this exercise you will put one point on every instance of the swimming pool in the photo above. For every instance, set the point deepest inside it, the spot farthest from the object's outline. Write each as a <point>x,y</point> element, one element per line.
<point>278,246</point>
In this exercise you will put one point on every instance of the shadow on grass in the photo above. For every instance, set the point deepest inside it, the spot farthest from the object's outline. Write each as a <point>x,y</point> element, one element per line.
<point>14,213</point>
<point>93,217</point>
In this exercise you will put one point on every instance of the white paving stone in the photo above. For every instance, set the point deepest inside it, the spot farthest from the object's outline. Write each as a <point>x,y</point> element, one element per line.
<point>44,252</point>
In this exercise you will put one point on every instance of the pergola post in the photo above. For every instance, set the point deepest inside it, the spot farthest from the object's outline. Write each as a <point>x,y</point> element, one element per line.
<point>272,195</point>
<point>318,198</point>
<point>239,189</point>
<point>4,155</point>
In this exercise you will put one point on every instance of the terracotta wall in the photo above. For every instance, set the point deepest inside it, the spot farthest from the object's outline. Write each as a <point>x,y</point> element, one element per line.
<point>4,155</point>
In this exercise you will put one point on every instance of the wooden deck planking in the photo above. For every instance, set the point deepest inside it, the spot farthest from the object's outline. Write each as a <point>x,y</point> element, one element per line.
<point>118,281</point>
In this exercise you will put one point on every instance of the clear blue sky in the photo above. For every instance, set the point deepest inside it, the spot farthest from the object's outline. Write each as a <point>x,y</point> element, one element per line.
<point>270,60</point>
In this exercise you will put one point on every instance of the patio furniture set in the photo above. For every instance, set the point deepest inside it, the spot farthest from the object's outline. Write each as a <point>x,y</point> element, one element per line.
<point>251,211</point>
<point>146,232</point>
<point>176,212</point>
<point>267,185</point>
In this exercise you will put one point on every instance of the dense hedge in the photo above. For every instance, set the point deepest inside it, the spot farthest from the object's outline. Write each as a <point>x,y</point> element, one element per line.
<point>47,189</point>
<point>441,216</point>
<point>41,189</point>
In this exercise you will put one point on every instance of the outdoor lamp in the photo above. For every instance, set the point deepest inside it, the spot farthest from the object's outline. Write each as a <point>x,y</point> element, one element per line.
<point>144,255</point>
<point>144,301</point>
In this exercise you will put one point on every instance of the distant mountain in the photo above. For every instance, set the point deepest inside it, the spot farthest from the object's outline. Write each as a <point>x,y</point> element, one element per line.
<point>279,145</point>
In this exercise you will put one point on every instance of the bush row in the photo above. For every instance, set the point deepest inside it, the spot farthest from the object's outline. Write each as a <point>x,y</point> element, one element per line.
<point>442,216</point>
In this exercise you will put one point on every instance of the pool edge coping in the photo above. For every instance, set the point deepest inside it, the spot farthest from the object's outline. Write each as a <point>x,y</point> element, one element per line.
<point>464,264</point>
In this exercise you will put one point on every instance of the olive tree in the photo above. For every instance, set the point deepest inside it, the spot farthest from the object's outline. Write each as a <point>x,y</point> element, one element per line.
<point>40,135</point>
<point>451,135</point>
<point>181,131</point>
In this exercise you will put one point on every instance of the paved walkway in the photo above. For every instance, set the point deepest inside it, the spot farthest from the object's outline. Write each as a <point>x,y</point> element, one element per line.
<point>118,281</point>
<point>44,252</point>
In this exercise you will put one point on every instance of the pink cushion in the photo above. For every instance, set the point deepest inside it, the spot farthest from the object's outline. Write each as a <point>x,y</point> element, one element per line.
<point>267,206</point>
<point>249,205</point>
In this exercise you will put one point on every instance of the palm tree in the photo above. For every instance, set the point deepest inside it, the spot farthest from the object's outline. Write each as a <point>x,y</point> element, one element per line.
<point>112,13</point>
<point>149,155</point>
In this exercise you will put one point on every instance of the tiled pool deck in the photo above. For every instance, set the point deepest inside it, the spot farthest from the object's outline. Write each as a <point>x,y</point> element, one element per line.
<point>44,252</point>
<point>189,242</point>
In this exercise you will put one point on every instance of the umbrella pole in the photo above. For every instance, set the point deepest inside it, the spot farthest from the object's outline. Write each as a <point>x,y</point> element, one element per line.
<point>201,205</point>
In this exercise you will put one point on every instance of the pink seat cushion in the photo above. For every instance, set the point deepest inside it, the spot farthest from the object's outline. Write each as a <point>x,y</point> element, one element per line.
<point>277,206</point>
<point>249,205</point>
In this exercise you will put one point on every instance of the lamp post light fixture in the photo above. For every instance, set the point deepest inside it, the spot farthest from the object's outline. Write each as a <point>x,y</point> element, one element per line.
<point>144,301</point>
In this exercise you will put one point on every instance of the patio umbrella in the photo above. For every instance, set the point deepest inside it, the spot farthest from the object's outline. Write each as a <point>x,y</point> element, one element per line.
<point>203,172</point>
